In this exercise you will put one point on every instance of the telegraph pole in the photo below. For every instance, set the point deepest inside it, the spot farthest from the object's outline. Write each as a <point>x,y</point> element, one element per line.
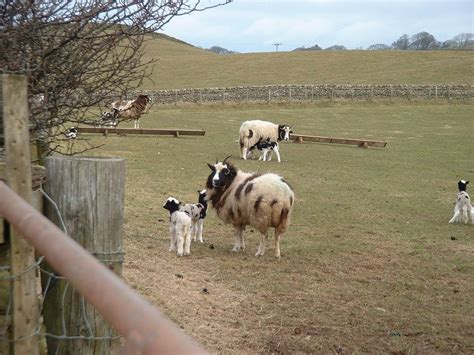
<point>276,46</point>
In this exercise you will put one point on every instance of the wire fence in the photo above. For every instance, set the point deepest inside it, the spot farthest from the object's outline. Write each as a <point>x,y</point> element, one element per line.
<point>69,330</point>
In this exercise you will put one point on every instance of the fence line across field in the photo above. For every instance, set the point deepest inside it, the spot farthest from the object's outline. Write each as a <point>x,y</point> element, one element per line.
<point>301,93</point>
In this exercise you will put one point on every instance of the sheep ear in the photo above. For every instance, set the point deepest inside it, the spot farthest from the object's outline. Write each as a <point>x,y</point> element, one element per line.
<point>212,167</point>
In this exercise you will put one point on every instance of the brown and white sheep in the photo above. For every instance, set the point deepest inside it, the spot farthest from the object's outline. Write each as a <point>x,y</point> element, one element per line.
<point>131,110</point>
<point>263,201</point>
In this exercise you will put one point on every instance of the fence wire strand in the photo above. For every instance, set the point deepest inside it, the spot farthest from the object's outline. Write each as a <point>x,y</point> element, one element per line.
<point>50,281</point>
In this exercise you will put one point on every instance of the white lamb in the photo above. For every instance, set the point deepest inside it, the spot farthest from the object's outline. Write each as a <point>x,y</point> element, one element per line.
<point>180,228</point>
<point>255,131</point>
<point>463,209</point>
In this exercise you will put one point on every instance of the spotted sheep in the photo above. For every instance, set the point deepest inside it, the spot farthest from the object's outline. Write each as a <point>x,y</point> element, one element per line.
<point>256,131</point>
<point>262,201</point>
<point>197,212</point>
<point>128,110</point>
<point>180,227</point>
<point>266,148</point>
<point>462,209</point>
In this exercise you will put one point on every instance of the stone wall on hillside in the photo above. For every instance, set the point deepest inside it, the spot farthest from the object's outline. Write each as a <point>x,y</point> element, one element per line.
<point>287,93</point>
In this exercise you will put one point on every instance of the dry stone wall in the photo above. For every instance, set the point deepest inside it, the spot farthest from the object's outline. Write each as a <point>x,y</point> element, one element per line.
<point>287,93</point>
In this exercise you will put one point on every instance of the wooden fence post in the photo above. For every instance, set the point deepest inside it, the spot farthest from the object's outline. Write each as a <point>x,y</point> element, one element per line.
<point>25,310</point>
<point>89,193</point>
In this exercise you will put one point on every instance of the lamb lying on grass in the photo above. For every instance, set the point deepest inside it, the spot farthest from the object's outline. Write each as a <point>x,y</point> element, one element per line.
<point>463,209</point>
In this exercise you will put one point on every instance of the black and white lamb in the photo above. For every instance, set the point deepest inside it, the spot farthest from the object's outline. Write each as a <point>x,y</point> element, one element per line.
<point>266,148</point>
<point>195,211</point>
<point>255,131</point>
<point>263,201</point>
<point>463,209</point>
<point>180,227</point>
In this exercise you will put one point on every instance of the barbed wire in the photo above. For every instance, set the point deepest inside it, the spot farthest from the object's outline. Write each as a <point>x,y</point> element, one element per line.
<point>50,281</point>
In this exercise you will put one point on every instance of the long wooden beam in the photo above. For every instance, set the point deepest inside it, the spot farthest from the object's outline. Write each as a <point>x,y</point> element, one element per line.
<point>151,131</point>
<point>323,139</point>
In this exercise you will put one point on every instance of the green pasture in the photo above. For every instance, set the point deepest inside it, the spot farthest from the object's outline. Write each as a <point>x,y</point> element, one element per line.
<point>369,264</point>
<point>183,66</point>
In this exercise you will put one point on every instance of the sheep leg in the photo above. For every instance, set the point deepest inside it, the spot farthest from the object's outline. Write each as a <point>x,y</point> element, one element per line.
<point>277,154</point>
<point>244,153</point>
<point>200,224</point>
<point>277,244</point>
<point>187,241</point>
<point>465,218</point>
<point>239,239</point>
<point>180,243</point>
<point>455,216</point>
<point>172,239</point>
<point>261,247</point>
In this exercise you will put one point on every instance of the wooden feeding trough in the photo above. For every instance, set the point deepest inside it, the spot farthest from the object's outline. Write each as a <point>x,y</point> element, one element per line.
<point>176,132</point>
<point>362,143</point>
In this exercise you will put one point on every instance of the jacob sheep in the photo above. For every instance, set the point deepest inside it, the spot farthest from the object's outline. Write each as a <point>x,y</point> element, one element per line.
<point>180,227</point>
<point>463,209</point>
<point>256,131</point>
<point>267,148</point>
<point>131,110</point>
<point>263,201</point>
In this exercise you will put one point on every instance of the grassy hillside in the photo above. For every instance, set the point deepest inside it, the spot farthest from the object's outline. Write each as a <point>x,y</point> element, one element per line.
<point>184,66</point>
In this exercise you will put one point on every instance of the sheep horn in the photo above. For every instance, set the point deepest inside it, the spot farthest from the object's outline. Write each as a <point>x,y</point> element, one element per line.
<point>226,159</point>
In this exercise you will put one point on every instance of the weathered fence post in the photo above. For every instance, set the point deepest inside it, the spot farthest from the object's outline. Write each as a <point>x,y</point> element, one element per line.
<point>312,92</point>
<point>290,93</point>
<point>25,311</point>
<point>269,94</point>
<point>436,92</point>
<point>89,193</point>
<point>449,93</point>
<point>175,97</point>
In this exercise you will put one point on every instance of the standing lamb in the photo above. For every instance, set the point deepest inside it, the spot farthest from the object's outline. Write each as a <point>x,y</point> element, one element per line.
<point>267,148</point>
<point>194,210</point>
<point>263,201</point>
<point>463,209</point>
<point>255,131</point>
<point>180,227</point>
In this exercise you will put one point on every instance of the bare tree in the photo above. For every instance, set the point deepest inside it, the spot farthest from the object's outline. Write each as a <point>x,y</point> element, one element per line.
<point>75,53</point>
<point>403,43</point>
<point>463,40</point>
<point>423,41</point>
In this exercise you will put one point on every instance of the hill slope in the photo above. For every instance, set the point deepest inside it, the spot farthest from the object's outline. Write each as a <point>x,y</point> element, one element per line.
<point>184,66</point>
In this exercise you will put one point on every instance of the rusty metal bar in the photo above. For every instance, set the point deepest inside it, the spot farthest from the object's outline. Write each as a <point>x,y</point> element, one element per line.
<point>147,330</point>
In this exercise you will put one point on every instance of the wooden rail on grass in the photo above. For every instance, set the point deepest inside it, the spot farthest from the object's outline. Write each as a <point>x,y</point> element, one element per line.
<point>321,139</point>
<point>149,131</point>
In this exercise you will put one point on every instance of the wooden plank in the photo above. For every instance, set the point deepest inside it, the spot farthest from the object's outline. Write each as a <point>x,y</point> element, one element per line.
<point>90,194</point>
<point>145,131</point>
<point>323,139</point>
<point>25,310</point>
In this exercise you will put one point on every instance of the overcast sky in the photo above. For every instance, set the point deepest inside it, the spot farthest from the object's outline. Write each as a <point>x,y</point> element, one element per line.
<point>254,25</point>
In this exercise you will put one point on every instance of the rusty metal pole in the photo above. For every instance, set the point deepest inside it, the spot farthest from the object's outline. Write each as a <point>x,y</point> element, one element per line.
<point>146,329</point>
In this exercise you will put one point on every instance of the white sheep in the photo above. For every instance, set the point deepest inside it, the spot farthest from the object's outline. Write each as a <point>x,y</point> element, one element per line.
<point>255,131</point>
<point>463,209</point>
<point>180,227</point>
<point>263,201</point>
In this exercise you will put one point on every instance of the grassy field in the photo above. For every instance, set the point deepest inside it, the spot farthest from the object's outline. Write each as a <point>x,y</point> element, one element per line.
<point>183,66</point>
<point>369,264</point>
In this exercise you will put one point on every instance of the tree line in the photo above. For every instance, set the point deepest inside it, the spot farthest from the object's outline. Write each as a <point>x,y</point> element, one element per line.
<point>420,41</point>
